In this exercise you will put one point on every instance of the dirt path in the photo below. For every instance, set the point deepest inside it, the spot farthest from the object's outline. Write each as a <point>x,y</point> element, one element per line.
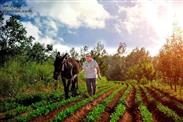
<point>157,115</point>
<point>170,104</point>
<point>80,114</point>
<point>132,113</point>
<point>105,116</point>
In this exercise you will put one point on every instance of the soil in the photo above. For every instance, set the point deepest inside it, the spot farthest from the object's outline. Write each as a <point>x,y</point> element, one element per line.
<point>132,113</point>
<point>157,115</point>
<point>168,95</point>
<point>167,102</point>
<point>53,113</point>
<point>80,114</point>
<point>105,116</point>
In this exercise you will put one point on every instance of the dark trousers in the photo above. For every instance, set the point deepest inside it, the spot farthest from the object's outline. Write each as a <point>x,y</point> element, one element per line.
<point>91,85</point>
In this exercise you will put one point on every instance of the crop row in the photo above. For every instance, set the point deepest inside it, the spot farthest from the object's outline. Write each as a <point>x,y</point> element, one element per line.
<point>146,114</point>
<point>167,111</point>
<point>28,109</point>
<point>120,109</point>
<point>62,115</point>
<point>43,110</point>
<point>96,112</point>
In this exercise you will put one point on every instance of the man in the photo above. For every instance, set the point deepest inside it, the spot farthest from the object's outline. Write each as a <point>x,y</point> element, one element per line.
<point>91,69</point>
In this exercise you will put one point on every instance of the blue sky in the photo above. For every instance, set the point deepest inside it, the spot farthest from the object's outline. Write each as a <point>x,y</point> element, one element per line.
<point>75,23</point>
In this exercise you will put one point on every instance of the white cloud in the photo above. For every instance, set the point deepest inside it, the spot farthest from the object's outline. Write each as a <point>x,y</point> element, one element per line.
<point>73,13</point>
<point>149,23</point>
<point>48,25</point>
<point>111,50</point>
<point>62,48</point>
<point>34,31</point>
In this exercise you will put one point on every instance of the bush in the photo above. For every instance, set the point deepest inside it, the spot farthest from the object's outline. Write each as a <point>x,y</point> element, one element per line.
<point>17,75</point>
<point>29,99</point>
<point>9,79</point>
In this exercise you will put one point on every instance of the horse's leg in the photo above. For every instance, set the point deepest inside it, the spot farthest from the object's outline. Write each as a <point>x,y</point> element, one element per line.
<point>68,85</point>
<point>65,88</point>
<point>74,86</point>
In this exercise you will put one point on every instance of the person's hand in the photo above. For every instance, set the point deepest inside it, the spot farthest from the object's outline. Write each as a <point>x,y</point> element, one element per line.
<point>99,76</point>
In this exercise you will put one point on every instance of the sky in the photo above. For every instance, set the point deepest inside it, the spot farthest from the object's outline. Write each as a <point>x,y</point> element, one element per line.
<point>76,23</point>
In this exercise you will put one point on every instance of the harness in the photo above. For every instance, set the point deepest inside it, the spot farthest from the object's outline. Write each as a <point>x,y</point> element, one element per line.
<point>66,63</point>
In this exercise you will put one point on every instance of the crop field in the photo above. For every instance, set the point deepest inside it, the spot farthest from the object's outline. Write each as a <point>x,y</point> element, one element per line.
<point>51,50</point>
<point>114,101</point>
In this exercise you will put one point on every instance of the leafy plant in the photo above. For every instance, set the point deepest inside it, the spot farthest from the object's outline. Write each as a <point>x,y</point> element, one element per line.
<point>120,109</point>
<point>62,115</point>
<point>95,113</point>
<point>146,115</point>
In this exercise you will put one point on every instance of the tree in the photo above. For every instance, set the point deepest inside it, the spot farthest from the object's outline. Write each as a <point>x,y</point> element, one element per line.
<point>38,52</point>
<point>115,68</point>
<point>83,52</point>
<point>142,70</point>
<point>74,53</point>
<point>136,56</point>
<point>121,49</point>
<point>170,60</point>
<point>13,39</point>
<point>139,65</point>
<point>99,53</point>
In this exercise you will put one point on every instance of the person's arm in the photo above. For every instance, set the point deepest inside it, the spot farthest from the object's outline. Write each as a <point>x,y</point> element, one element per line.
<point>98,70</point>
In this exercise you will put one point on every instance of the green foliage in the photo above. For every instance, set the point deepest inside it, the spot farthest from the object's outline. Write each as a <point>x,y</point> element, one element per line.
<point>13,39</point>
<point>62,115</point>
<point>170,61</point>
<point>136,66</point>
<point>170,113</point>
<point>143,71</point>
<point>38,54</point>
<point>115,69</point>
<point>96,112</point>
<point>120,109</point>
<point>15,75</point>
<point>47,105</point>
<point>10,78</point>
<point>74,53</point>
<point>121,49</point>
<point>43,110</point>
<point>146,115</point>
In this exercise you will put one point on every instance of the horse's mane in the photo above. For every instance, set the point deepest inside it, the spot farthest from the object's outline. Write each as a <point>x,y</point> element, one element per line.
<point>76,65</point>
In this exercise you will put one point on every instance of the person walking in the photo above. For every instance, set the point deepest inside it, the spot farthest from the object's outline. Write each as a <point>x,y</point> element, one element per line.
<point>91,70</point>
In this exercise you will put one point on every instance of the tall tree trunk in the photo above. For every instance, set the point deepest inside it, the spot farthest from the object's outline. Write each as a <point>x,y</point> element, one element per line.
<point>180,90</point>
<point>175,82</point>
<point>170,84</point>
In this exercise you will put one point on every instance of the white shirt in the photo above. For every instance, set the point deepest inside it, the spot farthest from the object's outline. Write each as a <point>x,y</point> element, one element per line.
<point>90,69</point>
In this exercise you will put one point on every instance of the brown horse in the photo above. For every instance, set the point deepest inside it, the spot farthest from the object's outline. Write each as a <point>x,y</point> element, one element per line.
<point>68,68</point>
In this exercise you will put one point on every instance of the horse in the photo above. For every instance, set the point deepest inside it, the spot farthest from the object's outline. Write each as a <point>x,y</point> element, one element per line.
<point>68,68</point>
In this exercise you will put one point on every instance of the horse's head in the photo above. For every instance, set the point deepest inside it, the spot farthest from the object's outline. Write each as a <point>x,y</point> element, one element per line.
<point>58,65</point>
<point>79,65</point>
